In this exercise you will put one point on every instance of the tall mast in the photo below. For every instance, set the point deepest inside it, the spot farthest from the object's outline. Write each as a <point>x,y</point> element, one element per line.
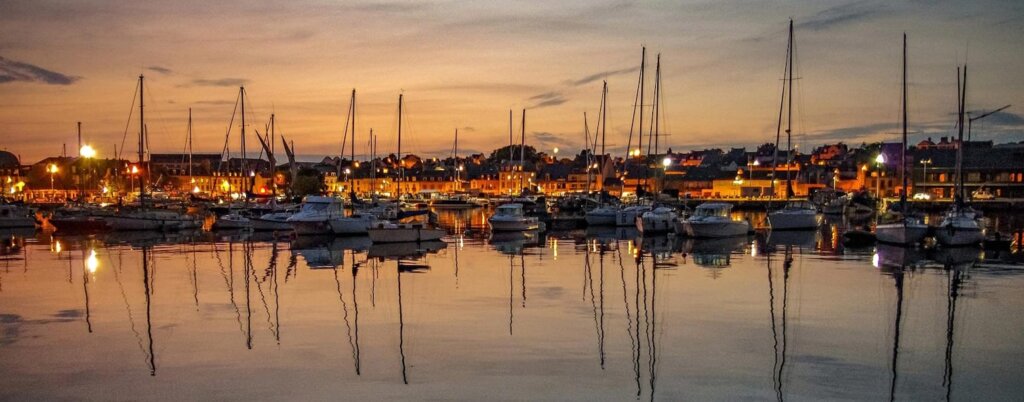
<point>142,148</point>
<point>190,145</point>
<point>587,147</point>
<point>960,141</point>
<point>643,83</point>
<point>273,169</point>
<point>245,164</point>
<point>456,160</point>
<point>79,138</point>
<point>522,152</point>
<point>510,138</point>
<point>789,117</point>
<point>604,119</point>
<point>401,166</point>
<point>353,153</point>
<point>903,148</point>
<point>373,163</point>
<point>655,105</point>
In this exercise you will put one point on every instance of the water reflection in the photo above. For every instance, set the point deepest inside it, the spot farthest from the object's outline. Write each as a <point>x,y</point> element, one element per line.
<point>872,315</point>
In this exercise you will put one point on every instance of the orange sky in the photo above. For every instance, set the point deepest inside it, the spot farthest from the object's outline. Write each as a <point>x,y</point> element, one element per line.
<point>465,64</point>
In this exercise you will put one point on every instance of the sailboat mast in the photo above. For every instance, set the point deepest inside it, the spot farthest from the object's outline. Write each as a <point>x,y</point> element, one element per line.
<point>960,140</point>
<point>656,114</point>
<point>244,165</point>
<point>455,162</point>
<point>142,148</point>
<point>522,152</point>
<point>587,148</point>
<point>903,149</point>
<point>643,83</point>
<point>604,119</point>
<point>789,114</point>
<point>401,166</point>
<point>190,145</point>
<point>353,150</point>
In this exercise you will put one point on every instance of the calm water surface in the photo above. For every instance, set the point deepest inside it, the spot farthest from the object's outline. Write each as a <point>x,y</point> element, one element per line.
<point>597,314</point>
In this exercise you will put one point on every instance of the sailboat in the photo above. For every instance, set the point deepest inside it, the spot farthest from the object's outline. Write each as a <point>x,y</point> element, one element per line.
<point>907,230</point>
<point>512,216</point>
<point>454,201</point>
<point>358,222</point>
<point>795,215</point>
<point>388,232</point>
<point>660,219</point>
<point>960,226</point>
<point>145,218</point>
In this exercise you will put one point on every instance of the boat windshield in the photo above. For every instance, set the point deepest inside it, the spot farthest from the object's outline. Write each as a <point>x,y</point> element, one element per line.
<point>712,211</point>
<point>510,211</point>
<point>316,207</point>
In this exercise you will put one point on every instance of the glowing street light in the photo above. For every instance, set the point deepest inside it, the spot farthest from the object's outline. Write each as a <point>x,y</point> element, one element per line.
<point>880,159</point>
<point>87,151</point>
<point>555,150</point>
<point>667,162</point>
<point>52,170</point>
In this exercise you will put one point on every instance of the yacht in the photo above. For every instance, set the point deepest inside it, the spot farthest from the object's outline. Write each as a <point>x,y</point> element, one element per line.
<point>147,219</point>
<point>511,217</point>
<point>626,216</point>
<point>796,215</point>
<point>356,224</point>
<point>272,222</point>
<point>314,215</point>
<point>713,220</point>
<point>452,202</point>
<point>602,216</point>
<point>14,216</point>
<point>906,229</point>
<point>960,227</point>
<point>232,221</point>
<point>658,220</point>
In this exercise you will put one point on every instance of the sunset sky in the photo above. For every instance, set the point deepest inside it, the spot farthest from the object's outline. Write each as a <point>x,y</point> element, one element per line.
<point>464,64</point>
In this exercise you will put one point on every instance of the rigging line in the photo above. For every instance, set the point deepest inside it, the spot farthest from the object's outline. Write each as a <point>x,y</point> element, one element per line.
<point>226,151</point>
<point>131,111</point>
<point>636,103</point>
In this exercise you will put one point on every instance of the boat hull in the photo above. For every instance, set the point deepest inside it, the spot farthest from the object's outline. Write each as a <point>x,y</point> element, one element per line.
<point>786,220</point>
<point>17,222</point>
<point>310,227</point>
<point>702,229</point>
<point>499,225</point>
<point>404,234</point>
<point>656,224</point>
<point>959,235</point>
<point>350,226</point>
<point>898,233</point>
<point>600,218</point>
<point>270,225</point>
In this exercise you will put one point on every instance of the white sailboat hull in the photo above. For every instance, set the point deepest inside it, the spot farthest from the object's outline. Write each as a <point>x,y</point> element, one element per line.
<point>513,225</point>
<point>716,229</point>
<point>601,217</point>
<point>351,226</point>
<point>959,230</point>
<point>656,223</point>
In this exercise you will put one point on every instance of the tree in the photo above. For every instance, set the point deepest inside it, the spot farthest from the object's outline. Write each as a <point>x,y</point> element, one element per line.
<point>308,181</point>
<point>502,155</point>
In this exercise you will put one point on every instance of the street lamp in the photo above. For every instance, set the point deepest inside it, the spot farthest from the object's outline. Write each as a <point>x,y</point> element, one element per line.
<point>134,171</point>
<point>879,160</point>
<point>87,151</point>
<point>52,170</point>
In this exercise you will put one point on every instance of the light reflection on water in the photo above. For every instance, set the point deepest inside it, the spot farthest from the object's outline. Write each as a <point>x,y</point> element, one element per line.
<point>600,313</point>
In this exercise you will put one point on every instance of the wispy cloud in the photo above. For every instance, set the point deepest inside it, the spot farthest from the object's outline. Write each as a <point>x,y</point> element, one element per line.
<point>546,99</point>
<point>218,82</point>
<point>161,70</point>
<point>16,71</point>
<point>842,15</point>
<point>596,76</point>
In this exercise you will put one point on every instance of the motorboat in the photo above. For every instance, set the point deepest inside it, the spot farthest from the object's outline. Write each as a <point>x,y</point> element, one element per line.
<point>232,221</point>
<point>356,224</point>
<point>314,215</point>
<point>836,206</point>
<point>602,216</point>
<point>712,219</point>
<point>796,215</point>
<point>657,220</point>
<point>960,227</point>
<point>626,216</point>
<point>272,222</point>
<point>15,216</point>
<point>511,217</point>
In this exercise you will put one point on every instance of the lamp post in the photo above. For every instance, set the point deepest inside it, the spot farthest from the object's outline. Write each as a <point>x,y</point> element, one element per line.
<point>52,170</point>
<point>879,161</point>
<point>924,175</point>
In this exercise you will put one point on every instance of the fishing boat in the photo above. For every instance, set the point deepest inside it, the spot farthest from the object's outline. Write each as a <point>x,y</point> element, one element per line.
<point>906,229</point>
<point>795,215</point>
<point>315,214</point>
<point>960,226</point>
<point>512,218</point>
<point>713,220</point>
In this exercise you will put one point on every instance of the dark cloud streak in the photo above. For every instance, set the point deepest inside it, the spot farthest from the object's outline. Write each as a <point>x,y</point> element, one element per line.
<point>16,71</point>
